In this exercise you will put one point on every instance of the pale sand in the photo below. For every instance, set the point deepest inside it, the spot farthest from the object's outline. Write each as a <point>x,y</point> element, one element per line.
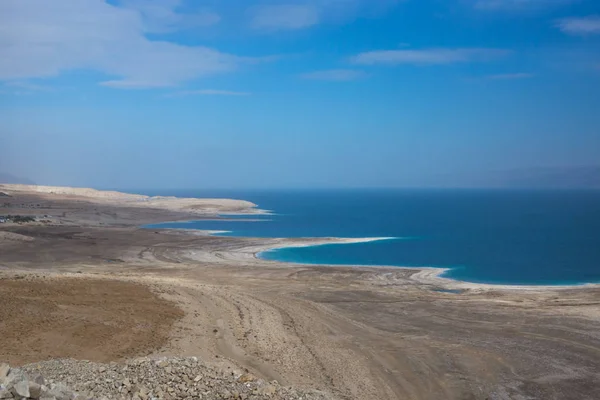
<point>191,206</point>
<point>424,275</point>
<point>358,333</point>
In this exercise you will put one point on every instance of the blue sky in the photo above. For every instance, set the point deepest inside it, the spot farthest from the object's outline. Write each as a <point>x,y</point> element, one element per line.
<point>297,93</point>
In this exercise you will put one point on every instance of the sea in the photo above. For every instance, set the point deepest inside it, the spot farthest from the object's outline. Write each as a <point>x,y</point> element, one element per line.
<point>511,237</point>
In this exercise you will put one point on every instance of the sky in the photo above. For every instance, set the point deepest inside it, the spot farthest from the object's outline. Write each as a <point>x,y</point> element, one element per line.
<point>298,93</point>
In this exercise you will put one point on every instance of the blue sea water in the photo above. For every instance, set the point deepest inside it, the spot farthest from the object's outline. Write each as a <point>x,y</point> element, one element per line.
<point>494,236</point>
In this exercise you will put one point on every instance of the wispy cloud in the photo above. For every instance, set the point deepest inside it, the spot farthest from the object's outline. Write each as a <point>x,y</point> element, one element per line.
<point>24,85</point>
<point>589,25</point>
<point>133,84</point>
<point>39,38</point>
<point>300,14</point>
<point>208,92</point>
<point>164,15</point>
<point>428,56</point>
<point>517,75</point>
<point>518,5</point>
<point>284,16</point>
<point>335,75</point>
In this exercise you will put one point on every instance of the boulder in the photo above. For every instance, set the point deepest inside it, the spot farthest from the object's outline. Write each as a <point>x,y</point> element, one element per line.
<point>20,389</point>
<point>5,393</point>
<point>39,380</point>
<point>4,370</point>
<point>61,392</point>
<point>35,390</point>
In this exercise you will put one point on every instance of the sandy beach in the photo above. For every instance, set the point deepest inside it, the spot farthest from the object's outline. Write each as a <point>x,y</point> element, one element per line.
<point>101,288</point>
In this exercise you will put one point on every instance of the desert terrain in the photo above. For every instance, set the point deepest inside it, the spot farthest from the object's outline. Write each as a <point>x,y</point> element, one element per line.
<point>85,281</point>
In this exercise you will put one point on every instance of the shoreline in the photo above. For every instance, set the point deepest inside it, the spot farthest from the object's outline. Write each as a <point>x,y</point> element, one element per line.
<point>425,275</point>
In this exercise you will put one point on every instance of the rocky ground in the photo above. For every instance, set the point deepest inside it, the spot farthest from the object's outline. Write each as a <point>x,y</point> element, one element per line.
<point>142,379</point>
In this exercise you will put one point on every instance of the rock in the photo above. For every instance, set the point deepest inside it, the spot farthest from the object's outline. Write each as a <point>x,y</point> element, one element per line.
<point>143,393</point>
<point>150,379</point>
<point>247,378</point>
<point>4,370</point>
<point>21,388</point>
<point>5,393</point>
<point>13,377</point>
<point>61,392</point>
<point>39,380</point>
<point>35,390</point>
<point>269,390</point>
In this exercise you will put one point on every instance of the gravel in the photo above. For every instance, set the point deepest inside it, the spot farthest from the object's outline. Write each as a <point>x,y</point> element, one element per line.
<point>139,379</point>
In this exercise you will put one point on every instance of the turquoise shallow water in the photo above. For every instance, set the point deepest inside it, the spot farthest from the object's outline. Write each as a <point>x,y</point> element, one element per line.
<point>504,237</point>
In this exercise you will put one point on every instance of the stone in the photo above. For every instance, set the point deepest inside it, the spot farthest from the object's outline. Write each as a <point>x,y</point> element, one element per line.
<point>21,388</point>
<point>35,390</point>
<point>39,380</point>
<point>14,376</point>
<point>145,379</point>
<point>4,370</point>
<point>246,378</point>
<point>61,392</point>
<point>5,393</point>
<point>268,390</point>
<point>143,393</point>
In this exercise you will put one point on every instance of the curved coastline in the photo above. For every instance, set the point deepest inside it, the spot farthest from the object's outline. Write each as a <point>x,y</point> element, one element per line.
<point>426,276</point>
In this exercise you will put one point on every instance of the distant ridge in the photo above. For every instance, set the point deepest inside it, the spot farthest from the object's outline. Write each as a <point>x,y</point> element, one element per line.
<point>11,179</point>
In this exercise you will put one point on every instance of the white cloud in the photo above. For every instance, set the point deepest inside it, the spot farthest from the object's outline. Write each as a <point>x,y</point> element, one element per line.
<point>209,92</point>
<point>428,56</point>
<point>23,88</point>
<point>162,15</point>
<point>335,75</point>
<point>280,15</point>
<point>32,87</point>
<point>284,16</point>
<point>580,26</point>
<point>132,84</point>
<point>517,75</point>
<point>41,38</point>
